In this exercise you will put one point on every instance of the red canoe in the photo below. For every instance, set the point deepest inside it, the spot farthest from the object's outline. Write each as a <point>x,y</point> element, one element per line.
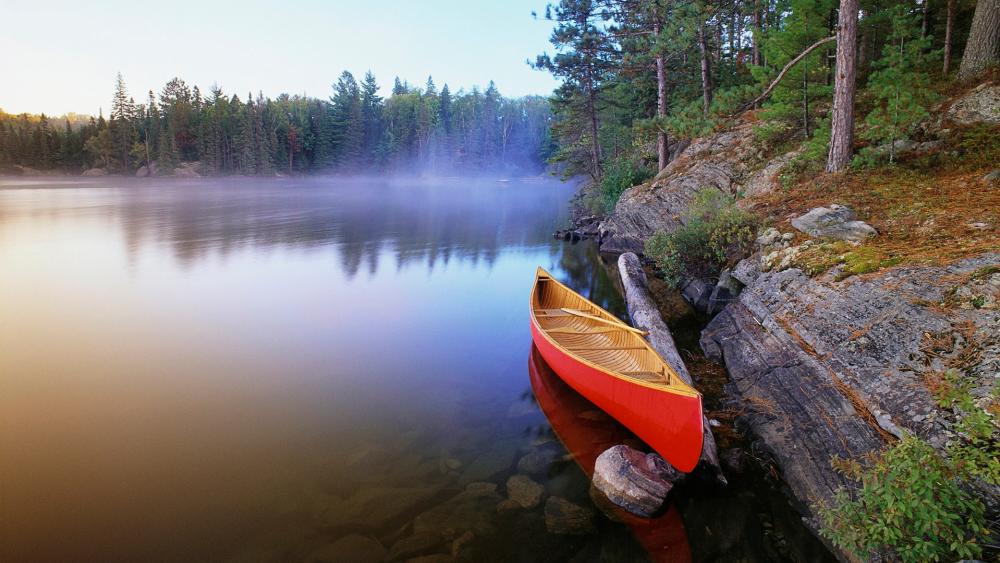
<point>613,366</point>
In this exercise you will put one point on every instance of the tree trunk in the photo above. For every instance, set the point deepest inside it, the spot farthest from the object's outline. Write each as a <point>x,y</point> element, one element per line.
<point>661,106</point>
<point>947,37</point>
<point>706,71</point>
<point>595,145</point>
<point>983,47</point>
<point>756,33</point>
<point>642,309</point>
<point>923,21</point>
<point>842,119</point>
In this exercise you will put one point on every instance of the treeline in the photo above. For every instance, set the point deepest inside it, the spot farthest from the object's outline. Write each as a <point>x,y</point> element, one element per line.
<point>354,131</point>
<point>641,76</point>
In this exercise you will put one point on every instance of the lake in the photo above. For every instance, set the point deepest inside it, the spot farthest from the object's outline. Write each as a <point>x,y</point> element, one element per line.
<point>306,369</point>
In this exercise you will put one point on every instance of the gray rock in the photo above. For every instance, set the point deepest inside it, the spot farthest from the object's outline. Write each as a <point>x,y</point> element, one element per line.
<point>825,367</point>
<point>142,172</point>
<point>96,172</point>
<point>836,221</point>
<point>992,177</point>
<point>979,105</point>
<point>564,517</point>
<point>635,481</point>
<point>413,546</point>
<point>525,492</point>
<point>355,548</point>
<point>769,237</point>
<point>747,270</point>
<point>537,461</point>
<point>722,161</point>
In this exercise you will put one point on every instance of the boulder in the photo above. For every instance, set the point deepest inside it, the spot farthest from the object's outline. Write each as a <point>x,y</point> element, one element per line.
<point>524,491</point>
<point>633,480</point>
<point>95,172</point>
<point>376,508</point>
<point>187,170</point>
<point>979,105</point>
<point>355,548</point>
<point>837,221</point>
<point>566,518</point>
<point>993,177</point>
<point>142,172</point>
<point>537,461</point>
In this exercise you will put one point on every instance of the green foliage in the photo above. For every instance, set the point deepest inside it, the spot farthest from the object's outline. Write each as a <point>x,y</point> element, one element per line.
<point>715,234</point>
<point>899,86</point>
<point>977,449</point>
<point>911,503</point>
<point>803,96</point>
<point>619,175</point>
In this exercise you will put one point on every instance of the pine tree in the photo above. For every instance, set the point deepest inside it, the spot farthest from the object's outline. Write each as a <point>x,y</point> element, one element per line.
<point>371,119</point>
<point>122,126</point>
<point>347,121</point>
<point>899,85</point>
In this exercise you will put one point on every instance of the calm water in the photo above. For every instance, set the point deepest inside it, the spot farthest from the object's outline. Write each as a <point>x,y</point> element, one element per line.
<point>256,370</point>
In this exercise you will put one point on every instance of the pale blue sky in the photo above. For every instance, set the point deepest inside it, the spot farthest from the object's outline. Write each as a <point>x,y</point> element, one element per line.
<point>57,57</point>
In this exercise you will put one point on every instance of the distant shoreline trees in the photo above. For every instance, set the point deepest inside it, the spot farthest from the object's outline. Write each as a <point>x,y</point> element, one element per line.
<point>354,131</point>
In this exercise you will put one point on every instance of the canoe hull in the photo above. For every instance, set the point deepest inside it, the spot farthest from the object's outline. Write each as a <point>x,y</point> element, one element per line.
<point>670,423</point>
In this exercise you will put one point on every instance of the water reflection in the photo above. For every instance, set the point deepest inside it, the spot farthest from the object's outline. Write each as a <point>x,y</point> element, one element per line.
<point>204,370</point>
<point>586,432</point>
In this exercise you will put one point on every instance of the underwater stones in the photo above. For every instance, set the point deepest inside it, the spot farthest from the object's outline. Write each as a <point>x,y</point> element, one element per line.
<point>525,492</point>
<point>414,546</point>
<point>837,221</point>
<point>565,517</point>
<point>537,461</point>
<point>633,480</point>
<point>376,507</point>
<point>470,510</point>
<point>355,548</point>
<point>498,458</point>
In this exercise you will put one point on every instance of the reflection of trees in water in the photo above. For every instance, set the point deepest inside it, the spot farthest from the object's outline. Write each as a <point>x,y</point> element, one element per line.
<point>599,284</point>
<point>366,221</point>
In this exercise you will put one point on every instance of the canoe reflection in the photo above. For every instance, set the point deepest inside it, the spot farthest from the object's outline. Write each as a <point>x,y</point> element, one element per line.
<point>586,431</point>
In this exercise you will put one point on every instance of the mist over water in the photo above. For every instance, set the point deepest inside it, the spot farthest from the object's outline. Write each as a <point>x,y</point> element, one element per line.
<point>191,369</point>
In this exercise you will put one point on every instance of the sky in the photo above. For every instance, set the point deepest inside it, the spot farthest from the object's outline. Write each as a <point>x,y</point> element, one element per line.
<point>59,57</point>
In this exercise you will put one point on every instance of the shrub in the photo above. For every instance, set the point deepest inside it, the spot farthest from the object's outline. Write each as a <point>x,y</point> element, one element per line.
<point>620,174</point>
<point>715,234</point>
<point>910,502</point>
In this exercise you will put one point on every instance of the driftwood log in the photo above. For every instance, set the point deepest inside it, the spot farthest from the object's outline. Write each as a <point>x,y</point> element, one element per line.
<point>646,316</point>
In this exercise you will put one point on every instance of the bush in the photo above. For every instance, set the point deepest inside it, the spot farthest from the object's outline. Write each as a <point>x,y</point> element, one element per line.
<point>909,502</point>
<point>620,174</point>
<point>715,235</point>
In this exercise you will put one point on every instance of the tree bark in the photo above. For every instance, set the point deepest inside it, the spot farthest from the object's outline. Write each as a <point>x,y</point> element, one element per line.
<point>756,33</point>
<point>706,70</point>
<point>947,37</point>
<point>646,316</point>
<point>842,119</point>
<point>983,47</point>
<point>923,22</point>
<point>661,106</point>
<point>595,145</point>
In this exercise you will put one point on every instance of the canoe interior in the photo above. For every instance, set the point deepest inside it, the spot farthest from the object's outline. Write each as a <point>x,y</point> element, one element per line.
<point>608,344</point>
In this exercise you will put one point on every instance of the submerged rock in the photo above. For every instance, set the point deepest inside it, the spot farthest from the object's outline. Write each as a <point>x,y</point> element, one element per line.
<point>376,507</point>
<point>473,509</point>
<point>413,546</point>
<point>355,548</point>
<point>525,492</point>
<point>564,517</point>
<point>537,461</point>
<point>633,480</point>
<point>837,221</point>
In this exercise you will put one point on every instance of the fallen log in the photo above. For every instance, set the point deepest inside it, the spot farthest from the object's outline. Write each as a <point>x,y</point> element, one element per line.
<point>646,316</point>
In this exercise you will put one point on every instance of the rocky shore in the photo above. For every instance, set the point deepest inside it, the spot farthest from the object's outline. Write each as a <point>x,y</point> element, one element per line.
<point>827,364</point>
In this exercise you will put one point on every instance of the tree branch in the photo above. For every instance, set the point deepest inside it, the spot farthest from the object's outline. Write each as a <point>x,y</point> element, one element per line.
<point>785,70</point>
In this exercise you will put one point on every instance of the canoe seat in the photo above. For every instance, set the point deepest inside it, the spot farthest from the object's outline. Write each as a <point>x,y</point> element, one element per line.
<point>571,330</point>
